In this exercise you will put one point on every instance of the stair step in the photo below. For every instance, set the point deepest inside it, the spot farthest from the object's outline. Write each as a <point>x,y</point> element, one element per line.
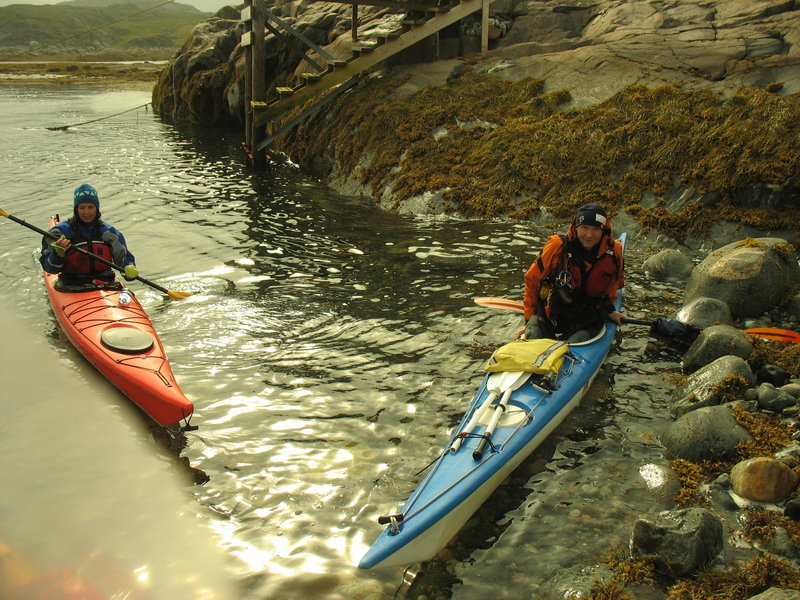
<point>337,63</point>
<point>283,92</point>
<point>360,49</point>
<point>309,76</point>
<point>389,35</point>
<point>346,70</point>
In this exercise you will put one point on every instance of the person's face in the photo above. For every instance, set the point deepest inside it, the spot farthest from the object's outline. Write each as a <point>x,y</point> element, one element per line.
<point>589,235</point>
<point>86,212</point>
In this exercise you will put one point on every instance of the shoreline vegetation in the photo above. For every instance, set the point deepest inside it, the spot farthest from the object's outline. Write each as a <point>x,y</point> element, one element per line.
<point>129,74</point>
<point>677,160</point>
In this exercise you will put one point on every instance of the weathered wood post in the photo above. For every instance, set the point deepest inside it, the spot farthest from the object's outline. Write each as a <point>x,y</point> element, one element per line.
<point>485,26</point>
<point>255,84</point>
<point>247,42</point>
<point>259,80</point>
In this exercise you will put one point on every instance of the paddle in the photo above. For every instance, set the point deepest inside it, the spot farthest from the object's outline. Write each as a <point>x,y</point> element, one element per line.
<point>497,384</point>
<point>498,412</point>
<point>501,303</point>
<point>664,329</point>
<point>170,293</point>
<point>773,333</point>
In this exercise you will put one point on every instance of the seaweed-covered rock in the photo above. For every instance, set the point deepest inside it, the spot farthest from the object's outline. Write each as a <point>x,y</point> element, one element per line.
<point>751,276</point>
<point>707,385</point>
<point>682,541</point>
<point>710,432</point>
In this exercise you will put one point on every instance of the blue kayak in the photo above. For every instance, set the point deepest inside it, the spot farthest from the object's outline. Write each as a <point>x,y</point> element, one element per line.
<point>519,409</point>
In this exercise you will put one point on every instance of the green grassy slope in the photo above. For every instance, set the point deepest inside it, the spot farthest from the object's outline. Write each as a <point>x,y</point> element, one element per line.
<point>84,23</point>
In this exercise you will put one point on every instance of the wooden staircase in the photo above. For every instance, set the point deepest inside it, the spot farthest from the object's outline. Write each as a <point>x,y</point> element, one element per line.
<point>343,73</point>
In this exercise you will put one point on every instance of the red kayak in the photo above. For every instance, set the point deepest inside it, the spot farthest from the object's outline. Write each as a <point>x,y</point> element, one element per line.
<point>110,328</point>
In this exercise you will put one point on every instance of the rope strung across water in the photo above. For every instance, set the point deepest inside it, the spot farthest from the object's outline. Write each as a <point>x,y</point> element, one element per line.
<point>65,127</point>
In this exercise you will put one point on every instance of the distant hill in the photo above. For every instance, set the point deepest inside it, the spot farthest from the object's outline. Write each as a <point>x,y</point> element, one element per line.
<point>78,30</point>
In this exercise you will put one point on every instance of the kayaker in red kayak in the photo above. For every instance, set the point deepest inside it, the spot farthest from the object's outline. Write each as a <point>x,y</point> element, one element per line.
<point>77,271</point>
<point>571,287</point>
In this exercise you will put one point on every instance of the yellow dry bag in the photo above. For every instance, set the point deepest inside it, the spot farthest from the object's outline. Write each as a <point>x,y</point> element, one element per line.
<point>540,356</point>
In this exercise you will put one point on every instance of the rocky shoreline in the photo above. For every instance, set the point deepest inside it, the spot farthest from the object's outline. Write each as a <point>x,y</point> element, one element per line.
<point>679,117</point>
<point>734,444</point>
<point>734,441</point>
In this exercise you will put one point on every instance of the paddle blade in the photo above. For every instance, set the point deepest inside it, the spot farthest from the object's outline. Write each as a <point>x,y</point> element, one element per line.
<point>501,303</point>
<point>773,333</point>
<point>177,295</point>
<point>671,330</point>
<point>506,380</point>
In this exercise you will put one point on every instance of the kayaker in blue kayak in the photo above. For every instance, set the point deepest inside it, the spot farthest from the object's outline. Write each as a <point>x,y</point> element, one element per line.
<point>78,271</point>
<point>571,287</point>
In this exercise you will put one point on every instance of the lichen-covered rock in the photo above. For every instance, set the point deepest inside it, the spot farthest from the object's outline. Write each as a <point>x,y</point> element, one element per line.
<point>751,276</point>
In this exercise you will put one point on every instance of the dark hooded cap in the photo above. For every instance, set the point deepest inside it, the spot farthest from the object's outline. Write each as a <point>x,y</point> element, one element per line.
<point>591,214</point>
<point>86,193</point>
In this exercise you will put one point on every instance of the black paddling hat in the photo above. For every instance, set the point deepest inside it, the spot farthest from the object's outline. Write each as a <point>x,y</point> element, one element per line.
<point>591,214</point>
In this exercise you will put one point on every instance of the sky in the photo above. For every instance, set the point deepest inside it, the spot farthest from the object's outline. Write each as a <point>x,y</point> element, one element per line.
<point>204,5</point>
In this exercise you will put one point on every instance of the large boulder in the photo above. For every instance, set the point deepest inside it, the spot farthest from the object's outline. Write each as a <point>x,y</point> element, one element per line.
<point>708,433</point>
<point>192,87</point>
<point>668,264</point>
<point>702,312</point>
<point>751,276</point>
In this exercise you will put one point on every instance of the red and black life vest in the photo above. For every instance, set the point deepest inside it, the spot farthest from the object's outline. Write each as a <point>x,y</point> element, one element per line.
<point>576,292</point>
<point>78,263</point>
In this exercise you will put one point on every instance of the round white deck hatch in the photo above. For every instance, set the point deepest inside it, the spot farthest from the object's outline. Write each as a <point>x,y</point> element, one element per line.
<point>126,340</point>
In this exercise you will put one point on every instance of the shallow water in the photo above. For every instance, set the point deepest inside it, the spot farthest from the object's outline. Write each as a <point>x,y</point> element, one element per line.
<point>329,347</point>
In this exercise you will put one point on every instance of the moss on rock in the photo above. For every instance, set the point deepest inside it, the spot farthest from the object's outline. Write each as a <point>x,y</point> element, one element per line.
<point>636,146</point>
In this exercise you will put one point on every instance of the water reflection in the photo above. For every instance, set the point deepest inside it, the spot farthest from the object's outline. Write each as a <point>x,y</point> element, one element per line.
<point>84,500</point>
<point>329,348</point>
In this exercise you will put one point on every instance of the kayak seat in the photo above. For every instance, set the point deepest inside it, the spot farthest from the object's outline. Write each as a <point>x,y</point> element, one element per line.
<point>126,340</point>
<point>89,286</point>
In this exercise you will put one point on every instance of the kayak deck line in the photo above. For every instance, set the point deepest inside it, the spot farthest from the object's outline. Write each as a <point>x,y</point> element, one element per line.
<point>534,380</point>
<point>86,323</point>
